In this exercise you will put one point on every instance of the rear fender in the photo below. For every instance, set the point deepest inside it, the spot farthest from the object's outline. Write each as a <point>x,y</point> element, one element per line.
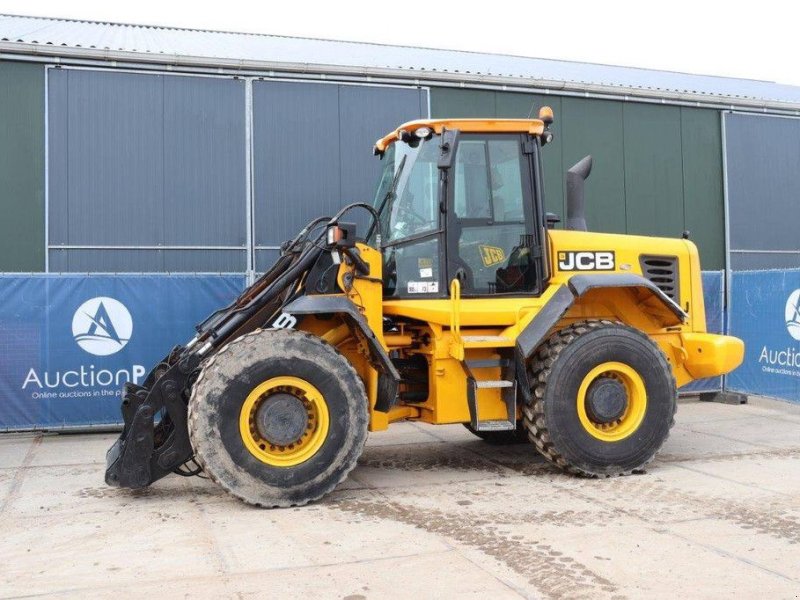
<point>647,299</point>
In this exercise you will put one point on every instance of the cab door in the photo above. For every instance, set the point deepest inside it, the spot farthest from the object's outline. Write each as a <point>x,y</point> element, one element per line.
<point>493,244</point>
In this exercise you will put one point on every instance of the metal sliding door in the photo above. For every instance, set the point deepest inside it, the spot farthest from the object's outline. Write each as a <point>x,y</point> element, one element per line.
<point>763,178</point>
<point>147,172</point>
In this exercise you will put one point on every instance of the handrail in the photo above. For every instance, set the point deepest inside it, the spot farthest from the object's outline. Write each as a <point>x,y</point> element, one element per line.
<point>455,311</point>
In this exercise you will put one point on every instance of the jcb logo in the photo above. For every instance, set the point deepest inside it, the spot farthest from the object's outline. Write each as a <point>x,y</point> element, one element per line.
<point>492,255</point>
<point>586,261</point>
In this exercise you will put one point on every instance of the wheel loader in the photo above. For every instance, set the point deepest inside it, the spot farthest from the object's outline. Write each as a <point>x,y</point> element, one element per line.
<point>452,298</point>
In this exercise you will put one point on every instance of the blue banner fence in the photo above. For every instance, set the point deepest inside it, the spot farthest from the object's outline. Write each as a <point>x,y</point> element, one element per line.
<point>69,342</point>
<point>764,311</point>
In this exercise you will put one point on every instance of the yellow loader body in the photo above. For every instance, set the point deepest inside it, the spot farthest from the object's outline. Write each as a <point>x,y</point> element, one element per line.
<point>460,303</point>
<point>458,328</point>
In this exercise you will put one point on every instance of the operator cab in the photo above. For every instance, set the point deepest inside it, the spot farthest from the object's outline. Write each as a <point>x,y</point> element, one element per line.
<point>462,200</point>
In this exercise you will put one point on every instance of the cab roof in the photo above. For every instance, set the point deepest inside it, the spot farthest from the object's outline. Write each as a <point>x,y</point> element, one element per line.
<point>531,126</point>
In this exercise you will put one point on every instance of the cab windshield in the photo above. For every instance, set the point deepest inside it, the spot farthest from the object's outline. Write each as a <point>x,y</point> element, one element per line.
<point>406,197</point>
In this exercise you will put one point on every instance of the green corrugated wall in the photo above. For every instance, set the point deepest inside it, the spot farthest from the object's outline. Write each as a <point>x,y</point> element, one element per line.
<point>21,167</point>
<point>657,168</point>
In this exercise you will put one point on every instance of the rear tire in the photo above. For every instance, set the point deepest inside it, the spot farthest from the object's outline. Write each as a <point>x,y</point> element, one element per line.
<point>502,438</point>
<point>240,457</point>
<point>618,427</point>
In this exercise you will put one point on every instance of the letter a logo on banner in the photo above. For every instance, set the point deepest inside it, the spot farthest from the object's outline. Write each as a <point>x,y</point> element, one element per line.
<point>102,326</point>
<point>793,314</point>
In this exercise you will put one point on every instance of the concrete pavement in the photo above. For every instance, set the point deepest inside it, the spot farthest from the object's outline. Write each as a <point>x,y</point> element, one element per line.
<point>429,512</point>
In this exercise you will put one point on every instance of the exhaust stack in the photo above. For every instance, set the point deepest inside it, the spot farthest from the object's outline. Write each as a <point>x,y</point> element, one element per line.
<point>576,177</point>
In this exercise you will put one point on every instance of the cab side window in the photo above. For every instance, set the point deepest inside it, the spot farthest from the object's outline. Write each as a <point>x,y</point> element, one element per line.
<point>490,220</point>
<point>488,180</point>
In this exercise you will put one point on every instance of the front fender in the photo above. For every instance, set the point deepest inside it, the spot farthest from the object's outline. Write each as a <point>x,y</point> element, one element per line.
<point>342,306</point>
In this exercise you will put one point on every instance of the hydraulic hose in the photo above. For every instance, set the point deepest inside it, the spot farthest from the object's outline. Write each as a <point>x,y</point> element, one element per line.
<point>241,315</point>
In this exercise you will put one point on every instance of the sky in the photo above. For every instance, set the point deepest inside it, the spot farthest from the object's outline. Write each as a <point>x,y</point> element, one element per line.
<point>733,39</point>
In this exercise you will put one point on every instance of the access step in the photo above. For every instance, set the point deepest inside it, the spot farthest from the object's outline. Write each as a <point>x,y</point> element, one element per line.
<point>506,386</point>
<point>487,341</point>
<point>488,383</point>
<point>495,425</point>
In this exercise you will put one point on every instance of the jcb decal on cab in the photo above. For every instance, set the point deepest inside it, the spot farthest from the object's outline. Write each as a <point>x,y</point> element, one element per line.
<point>586,261</point>
<point>492,255</point>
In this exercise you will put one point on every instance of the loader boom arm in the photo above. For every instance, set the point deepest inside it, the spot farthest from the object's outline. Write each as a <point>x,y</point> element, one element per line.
<point>155,440</point>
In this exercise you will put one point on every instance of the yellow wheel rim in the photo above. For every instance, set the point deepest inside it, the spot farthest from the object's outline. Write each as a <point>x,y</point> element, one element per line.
<point>635,402</point>
<point>291,453</point>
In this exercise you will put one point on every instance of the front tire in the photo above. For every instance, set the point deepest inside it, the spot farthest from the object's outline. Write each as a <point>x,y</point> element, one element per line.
<point>278,418</point>
<point>604,399</point>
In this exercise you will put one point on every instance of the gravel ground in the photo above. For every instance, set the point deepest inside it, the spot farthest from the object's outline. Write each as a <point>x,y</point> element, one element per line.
<point>429,512</point>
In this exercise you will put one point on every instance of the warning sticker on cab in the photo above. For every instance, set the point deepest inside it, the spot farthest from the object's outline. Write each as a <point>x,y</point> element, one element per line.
<point>423,287</point>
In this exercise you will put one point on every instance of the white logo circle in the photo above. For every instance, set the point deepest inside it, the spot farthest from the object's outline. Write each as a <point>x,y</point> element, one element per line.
<point>793,314</point>
<point>102,326</point>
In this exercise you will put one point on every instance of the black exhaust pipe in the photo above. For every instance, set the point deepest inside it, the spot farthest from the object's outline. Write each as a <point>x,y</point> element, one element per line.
<point>576,177</point>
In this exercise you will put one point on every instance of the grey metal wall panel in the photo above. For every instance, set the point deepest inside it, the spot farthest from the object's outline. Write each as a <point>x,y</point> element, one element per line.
<point>138,261</point>
<point>758,261</point>
<point>105,261</point>
<point>312,148</point>
<point>204,261</point>
<point>763,171</point>
<point>204,161</point>
<point>140,159</point>
<point>296,156</point>
<point>113,189</point>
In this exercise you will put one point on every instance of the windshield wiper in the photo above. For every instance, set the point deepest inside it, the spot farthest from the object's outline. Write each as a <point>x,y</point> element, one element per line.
<point>389,193</point>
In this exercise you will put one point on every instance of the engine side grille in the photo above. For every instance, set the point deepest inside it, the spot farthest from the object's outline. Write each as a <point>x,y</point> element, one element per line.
<point>663,272</point>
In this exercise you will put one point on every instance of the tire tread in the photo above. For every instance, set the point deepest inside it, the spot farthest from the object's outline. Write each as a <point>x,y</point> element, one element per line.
<point>237,351</point>
<point>541,368</point>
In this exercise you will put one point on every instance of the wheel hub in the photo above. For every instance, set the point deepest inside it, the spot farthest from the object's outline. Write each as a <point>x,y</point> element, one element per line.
<point>284,421</point>
<point>606,400</point>
<point>281,419</point>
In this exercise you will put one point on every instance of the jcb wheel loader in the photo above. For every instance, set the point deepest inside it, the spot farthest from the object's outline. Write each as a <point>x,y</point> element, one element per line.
<point>459,303</point>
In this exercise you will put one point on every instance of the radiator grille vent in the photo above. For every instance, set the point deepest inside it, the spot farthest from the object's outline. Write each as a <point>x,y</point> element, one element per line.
<point>663,272</point>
